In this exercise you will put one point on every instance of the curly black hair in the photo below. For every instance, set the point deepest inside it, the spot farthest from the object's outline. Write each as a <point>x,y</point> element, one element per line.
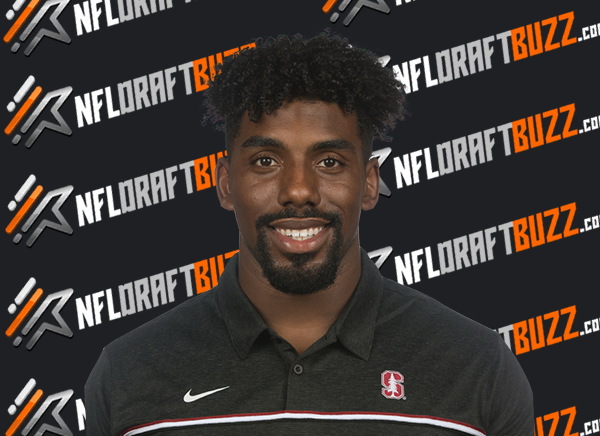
<point>323,68</point>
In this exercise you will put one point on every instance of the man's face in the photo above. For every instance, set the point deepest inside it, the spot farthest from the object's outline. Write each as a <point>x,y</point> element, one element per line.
<point>297,183</point>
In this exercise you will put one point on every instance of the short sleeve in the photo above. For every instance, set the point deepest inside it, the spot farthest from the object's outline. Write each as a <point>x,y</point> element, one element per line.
<point>511,406</point>
<point>97,398</point>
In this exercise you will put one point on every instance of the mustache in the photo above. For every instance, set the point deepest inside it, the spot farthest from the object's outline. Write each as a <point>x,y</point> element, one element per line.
<point>334,218</point>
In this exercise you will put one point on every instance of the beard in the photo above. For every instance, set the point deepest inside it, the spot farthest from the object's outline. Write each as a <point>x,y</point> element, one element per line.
<point>300,278</point>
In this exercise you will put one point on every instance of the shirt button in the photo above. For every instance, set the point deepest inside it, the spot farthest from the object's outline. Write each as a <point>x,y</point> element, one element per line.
<point>298,369</point>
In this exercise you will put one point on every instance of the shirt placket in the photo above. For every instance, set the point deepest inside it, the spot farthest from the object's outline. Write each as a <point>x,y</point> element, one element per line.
<point>299,368</point>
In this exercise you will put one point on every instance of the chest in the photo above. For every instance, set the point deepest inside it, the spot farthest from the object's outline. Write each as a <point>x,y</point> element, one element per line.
<point>275,391</point>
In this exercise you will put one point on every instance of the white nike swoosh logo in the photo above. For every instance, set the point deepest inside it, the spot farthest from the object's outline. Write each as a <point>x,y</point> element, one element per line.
<point>190,398</point>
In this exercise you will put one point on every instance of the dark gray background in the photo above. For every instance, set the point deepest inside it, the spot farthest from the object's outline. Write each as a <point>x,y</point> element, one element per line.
<point>193,227</point>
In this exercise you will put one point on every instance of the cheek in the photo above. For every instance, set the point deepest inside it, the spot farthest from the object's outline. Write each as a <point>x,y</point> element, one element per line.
<point>347,199</point>
<point>255,196</point>
<point>250,200</point>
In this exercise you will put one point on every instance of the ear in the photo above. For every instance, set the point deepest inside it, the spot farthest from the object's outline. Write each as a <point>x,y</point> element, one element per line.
<point>223,191</point>
<point>371,192</point>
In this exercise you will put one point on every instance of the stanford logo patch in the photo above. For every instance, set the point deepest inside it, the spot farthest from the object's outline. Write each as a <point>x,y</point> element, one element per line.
<point>392,385</point>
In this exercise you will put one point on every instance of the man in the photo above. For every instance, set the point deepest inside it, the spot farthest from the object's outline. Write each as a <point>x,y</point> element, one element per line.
<point>302,335</point>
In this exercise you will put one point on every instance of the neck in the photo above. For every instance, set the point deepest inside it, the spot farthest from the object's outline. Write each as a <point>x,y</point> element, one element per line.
<point>299,319</point>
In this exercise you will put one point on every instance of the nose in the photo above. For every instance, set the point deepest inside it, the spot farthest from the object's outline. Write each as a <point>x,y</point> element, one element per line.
<point>299,186</point>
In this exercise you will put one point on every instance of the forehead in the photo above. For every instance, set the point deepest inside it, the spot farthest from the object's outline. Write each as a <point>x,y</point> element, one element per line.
<point>303,122</point>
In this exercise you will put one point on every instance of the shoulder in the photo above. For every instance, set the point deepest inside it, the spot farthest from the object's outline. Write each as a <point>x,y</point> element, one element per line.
<point>442,352</point>
<point>150,368</point>
<point>189,321</point>
<point>424,318</point>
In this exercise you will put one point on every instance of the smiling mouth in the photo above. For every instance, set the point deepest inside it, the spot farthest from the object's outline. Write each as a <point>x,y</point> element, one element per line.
<point>300,234</point>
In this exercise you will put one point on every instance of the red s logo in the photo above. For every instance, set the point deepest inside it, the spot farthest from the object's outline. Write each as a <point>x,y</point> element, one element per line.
<point>392,385</point>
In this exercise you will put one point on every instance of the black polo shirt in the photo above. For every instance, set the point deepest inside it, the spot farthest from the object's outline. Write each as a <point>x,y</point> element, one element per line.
<point>395,362</point>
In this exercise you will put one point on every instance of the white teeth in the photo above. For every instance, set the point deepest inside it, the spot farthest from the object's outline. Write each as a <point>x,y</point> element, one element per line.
<point>300,235</point>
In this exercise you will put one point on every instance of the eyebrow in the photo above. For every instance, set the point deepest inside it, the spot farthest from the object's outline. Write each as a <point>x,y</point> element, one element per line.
<point>265,141</point>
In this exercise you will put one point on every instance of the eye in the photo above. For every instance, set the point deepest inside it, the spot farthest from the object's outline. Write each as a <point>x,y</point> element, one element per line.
<point>330,162</point>
<point>265,161</point>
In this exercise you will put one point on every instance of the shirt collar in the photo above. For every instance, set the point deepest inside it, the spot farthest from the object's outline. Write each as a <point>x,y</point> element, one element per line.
<point>355,327</point>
